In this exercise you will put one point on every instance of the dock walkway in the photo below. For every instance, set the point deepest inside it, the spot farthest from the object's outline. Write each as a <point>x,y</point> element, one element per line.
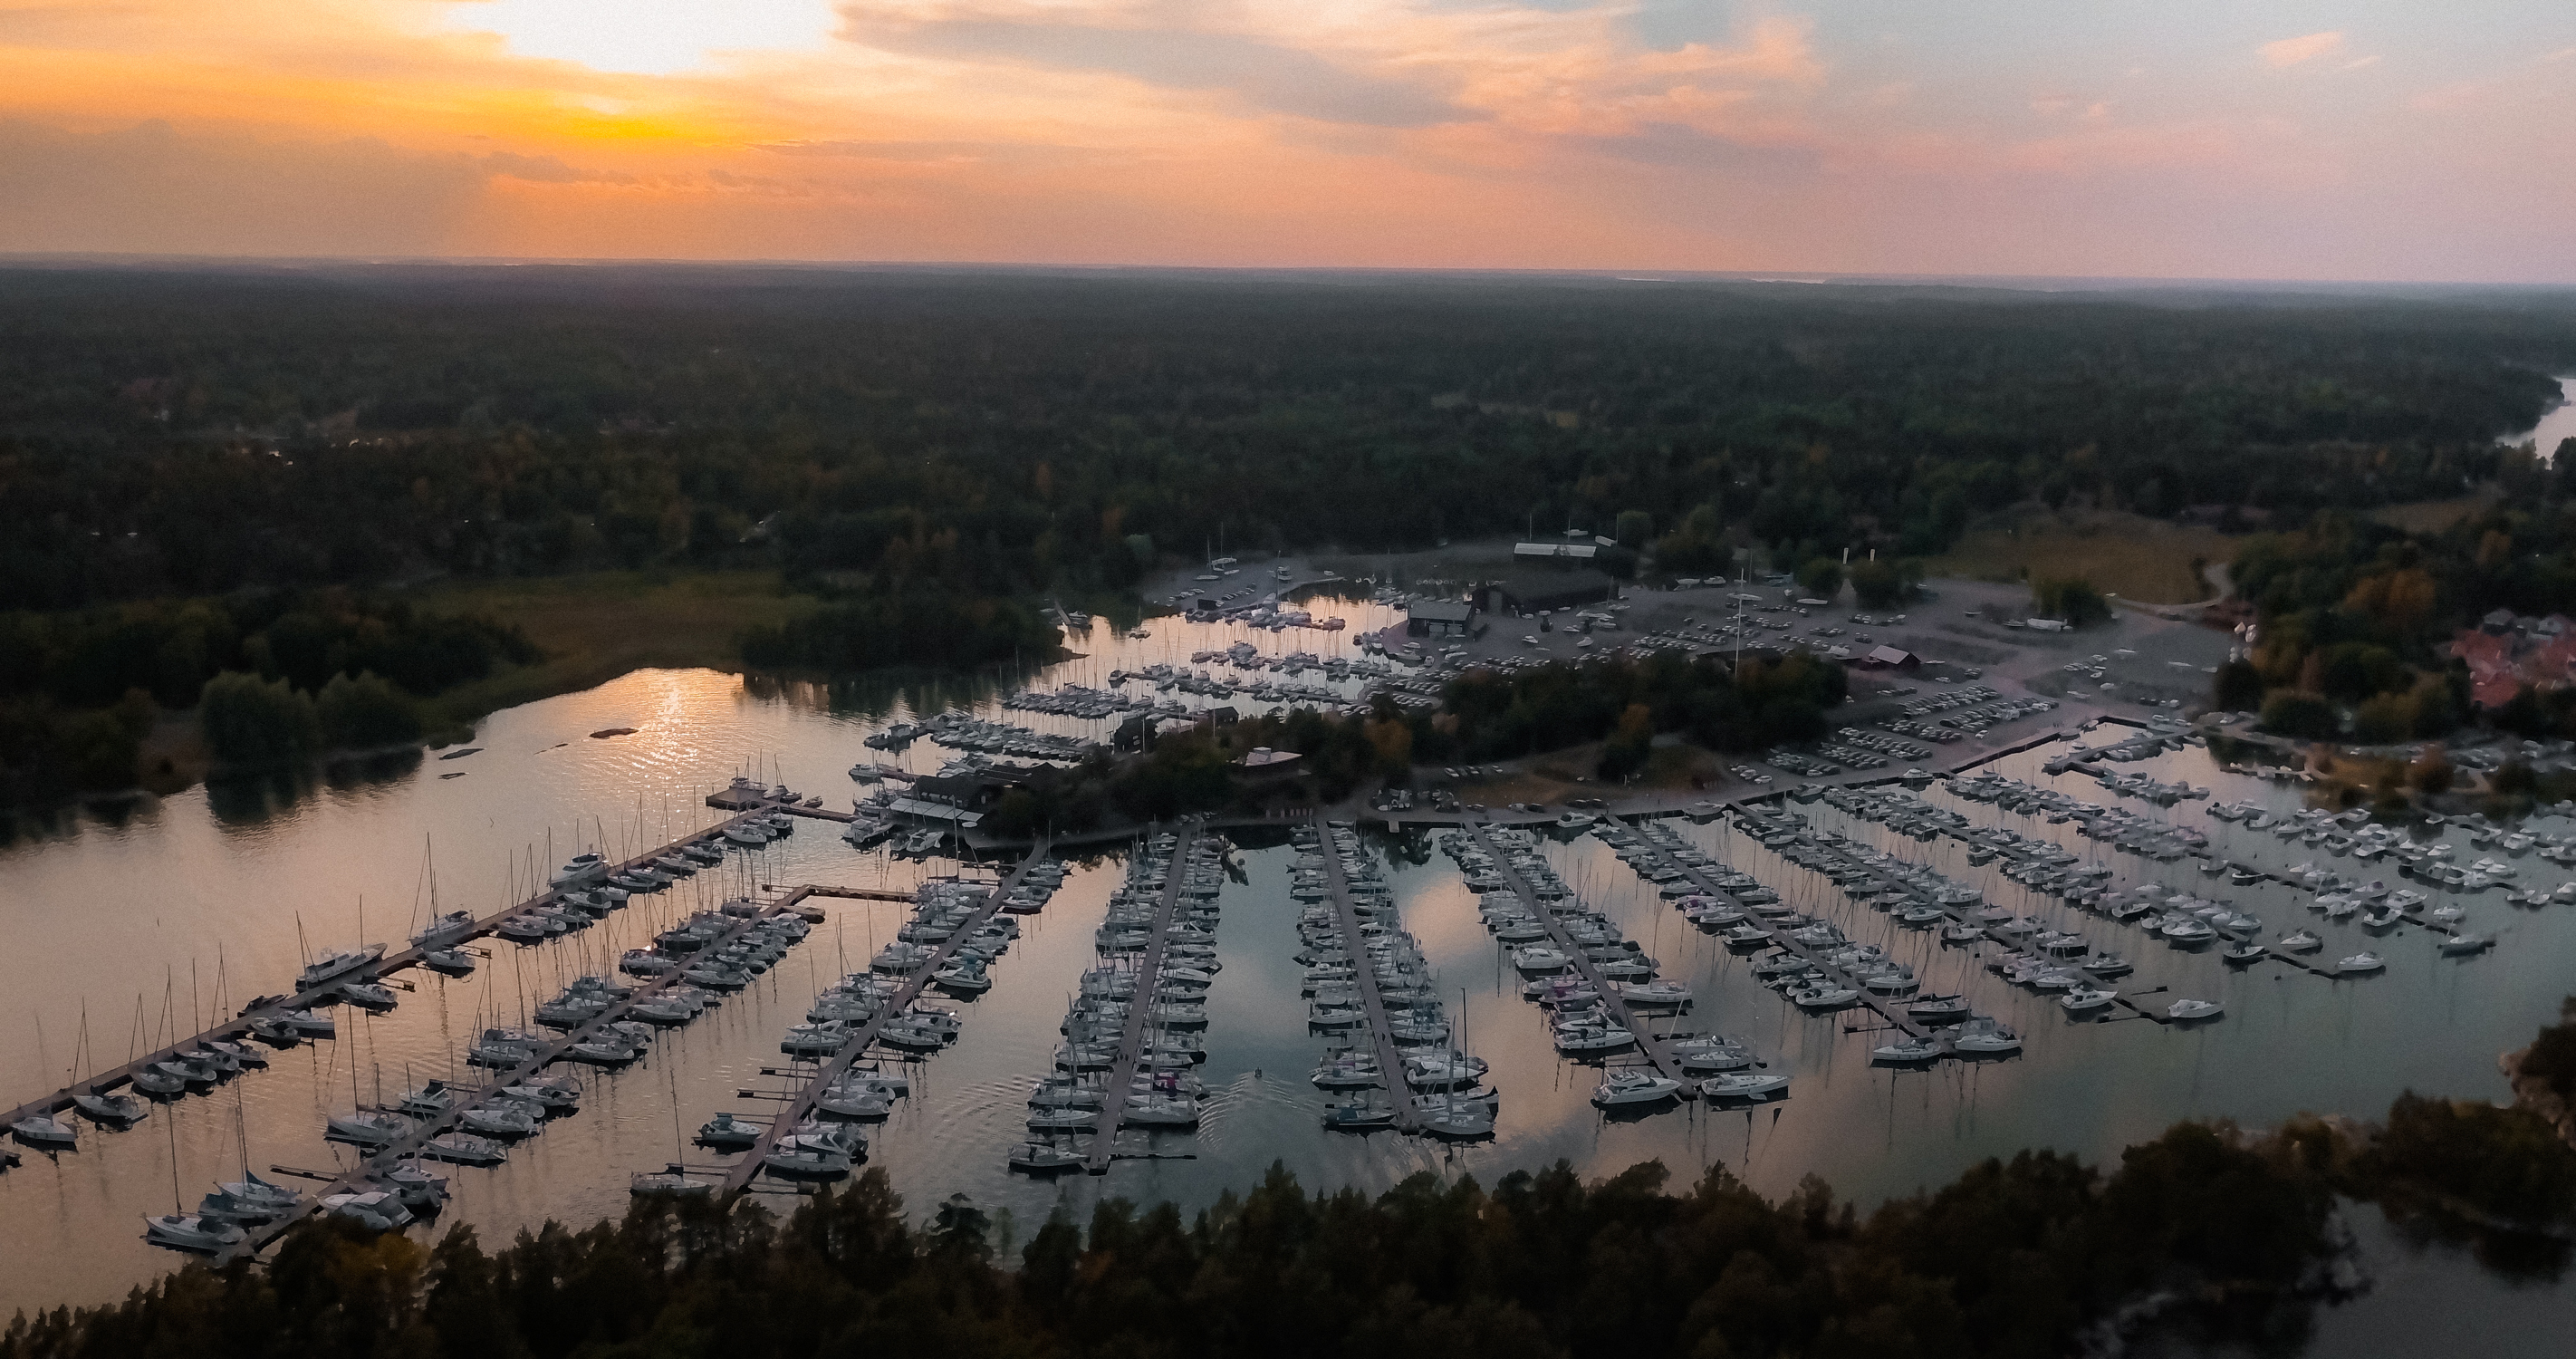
<point>739,1176</point>
<point>1652,1048</point>
<point>1131,1040</point>
<point>1390,1062</point>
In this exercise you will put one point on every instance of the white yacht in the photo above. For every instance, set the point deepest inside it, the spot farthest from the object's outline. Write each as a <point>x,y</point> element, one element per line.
<point>45,1133</point>
<point>1627,1088</point>
<point>189,1232</point>
<point>2188,1009</point>
<point>334,965</point>
<point>368,1128</point>
<point>1743,1085</point>
<point>2360,964</point>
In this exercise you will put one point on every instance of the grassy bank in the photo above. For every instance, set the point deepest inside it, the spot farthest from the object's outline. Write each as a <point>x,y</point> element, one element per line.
<point>2135,557</point>
<point>596,627</point>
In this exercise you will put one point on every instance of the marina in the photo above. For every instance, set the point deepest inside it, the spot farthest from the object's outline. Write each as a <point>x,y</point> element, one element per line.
<point>964,1121</point>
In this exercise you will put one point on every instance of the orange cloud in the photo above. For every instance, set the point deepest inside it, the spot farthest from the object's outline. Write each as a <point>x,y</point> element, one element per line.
<point>2293,51</point>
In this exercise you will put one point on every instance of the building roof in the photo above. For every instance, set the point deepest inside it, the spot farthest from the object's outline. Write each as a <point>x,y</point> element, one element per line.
<point>1440,610</point>
<point>1576,551</point>
<point>935,811</point>
<point>1263,757</point>
<point>1547,588</point>
<point>1888,655</point>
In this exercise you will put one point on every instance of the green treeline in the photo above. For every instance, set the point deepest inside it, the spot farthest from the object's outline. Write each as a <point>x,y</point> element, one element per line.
<point>180,434</point>
<point>909,628</point>
<point>2015,1258</point>
<point>1484,715</point>
<point>1489,714</point>
<point>278,675</point>
<point>1195,770</point>
<point>2356,615</point>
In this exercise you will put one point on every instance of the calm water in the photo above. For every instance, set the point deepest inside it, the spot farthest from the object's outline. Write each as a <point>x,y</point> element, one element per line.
<point>111,915</point>
<point>2559,422</point>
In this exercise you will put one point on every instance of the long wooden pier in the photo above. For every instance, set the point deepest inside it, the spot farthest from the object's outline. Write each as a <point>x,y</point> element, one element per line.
<point>328,992</point>
<point>739,1176</point>
<point>1390,1063</point>
<point>1140,1007</point>
<point>1654,1049</point>
<point>374,1164</point>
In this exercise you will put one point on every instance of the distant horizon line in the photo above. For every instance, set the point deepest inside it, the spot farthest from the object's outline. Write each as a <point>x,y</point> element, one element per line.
<point>1628,274</point>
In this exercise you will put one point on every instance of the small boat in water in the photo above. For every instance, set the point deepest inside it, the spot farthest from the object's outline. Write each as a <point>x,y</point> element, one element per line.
<point>2360,964</point>
<point>2187,1010</point>
<point>45,1132</point>
<point>192,1233</point>
<point>331,966</point>
<point>368,1128</point>
<point>115,1111</point>
<point>670,1182</point>
<point>1627,1089</point>
<point>728,1133</point>
<point>1743,1085</point>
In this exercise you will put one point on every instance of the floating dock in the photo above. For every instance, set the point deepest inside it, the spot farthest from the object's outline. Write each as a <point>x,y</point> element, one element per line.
<point>1131,1040</point>
<point>1390,1063</point>
<point>1653,1048</point>
<point>739,1176</point>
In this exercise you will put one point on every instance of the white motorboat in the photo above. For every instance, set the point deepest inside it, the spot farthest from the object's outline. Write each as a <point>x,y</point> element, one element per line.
<point>189,1232</point>
<point>1908,1052</point>
<point>379,1210</point>
<point>273,1199</point>
<point>1160,1111</point>
<point>1743,1085</point>
<point>1653,993</point>
<point>807,1163</point>
<point>670,1182</point>
<point>465,1150</point>
<point>116,1111</point>
<point>728,1133</point>
<point>2187,1010</point>
<point>2085,1000</point>
<point>1454,1117</point>
<point>1582,1039</point>
<point>581,868</point>
<point>1822,999</point>
<point>2463,945</point>
<point>45,1132</point>
<point>332,966</point>
<point>1045,1158</point>
<point>415,1184</point>
<point>1629,1088</point>
<point>2360,964</point>
<point>1984,1038</point>
<point>2305,941</point>
<point>500,1119</point>
<point>368,1128</point>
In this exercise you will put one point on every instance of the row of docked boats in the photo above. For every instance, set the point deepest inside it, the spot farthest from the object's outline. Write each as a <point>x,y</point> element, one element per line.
<point>1356,960</point>
<point>1582,954</point>
<point>1148,986</point>
<point>2190,920</point>
<point>2036,953</point>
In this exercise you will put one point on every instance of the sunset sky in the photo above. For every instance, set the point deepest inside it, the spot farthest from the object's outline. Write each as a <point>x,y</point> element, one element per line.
<point>2192,138</point>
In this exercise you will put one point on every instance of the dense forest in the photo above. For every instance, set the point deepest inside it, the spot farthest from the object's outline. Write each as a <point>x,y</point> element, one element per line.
<point>2357,616</point>
<point>191,458</point>
<point>2234,1233</point>
<point>178,433</point>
